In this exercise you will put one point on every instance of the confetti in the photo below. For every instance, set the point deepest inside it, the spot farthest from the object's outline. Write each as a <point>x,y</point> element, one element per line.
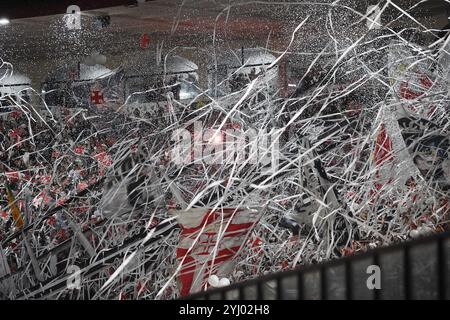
<point>167,191</point>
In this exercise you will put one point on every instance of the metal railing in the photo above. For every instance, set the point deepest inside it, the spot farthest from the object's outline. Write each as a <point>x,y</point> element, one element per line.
<point>418,269</point>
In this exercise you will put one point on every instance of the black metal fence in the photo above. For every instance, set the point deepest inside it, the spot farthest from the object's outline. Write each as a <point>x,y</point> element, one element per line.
<point>417,269</point>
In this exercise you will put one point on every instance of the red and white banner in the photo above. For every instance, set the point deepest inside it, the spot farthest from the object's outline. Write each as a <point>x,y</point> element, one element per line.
<point>383,158</point>
<point>209,242</point>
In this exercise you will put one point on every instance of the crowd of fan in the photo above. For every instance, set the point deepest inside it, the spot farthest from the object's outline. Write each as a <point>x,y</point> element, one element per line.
<point>46,162</point>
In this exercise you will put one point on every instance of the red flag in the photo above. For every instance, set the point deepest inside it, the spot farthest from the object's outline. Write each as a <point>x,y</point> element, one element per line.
<point>200,230</point>
<point>383,147</point>
<point>382,154</point>
<point>145,41</point>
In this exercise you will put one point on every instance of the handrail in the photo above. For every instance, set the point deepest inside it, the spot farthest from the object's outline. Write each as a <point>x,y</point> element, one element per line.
<point>442,257</point>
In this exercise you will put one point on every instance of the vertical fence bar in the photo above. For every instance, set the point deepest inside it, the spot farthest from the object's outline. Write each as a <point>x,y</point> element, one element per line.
<point>407,272</point>
<point>323,283</point>
<point>348,280</point>
<point>376,261</point>
<point>300,286</point>
<point>441,271</point>
<point>259,290</point>
<point>241,293</point>
<point>279,289</point>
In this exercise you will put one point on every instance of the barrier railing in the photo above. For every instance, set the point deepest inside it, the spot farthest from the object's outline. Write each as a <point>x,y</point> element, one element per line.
<point>418,269</point>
